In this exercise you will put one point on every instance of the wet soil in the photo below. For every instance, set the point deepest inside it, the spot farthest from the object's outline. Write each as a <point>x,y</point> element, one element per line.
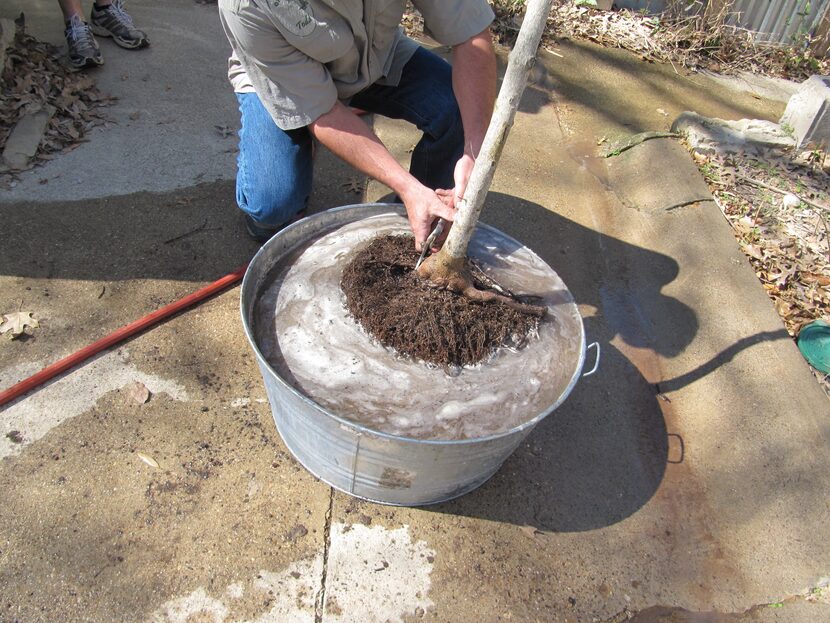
<point>390,301</point>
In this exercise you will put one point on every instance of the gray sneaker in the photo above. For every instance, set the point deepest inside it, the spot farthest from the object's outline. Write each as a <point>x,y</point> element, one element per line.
<point>83,49</point>
<point>113,21</point>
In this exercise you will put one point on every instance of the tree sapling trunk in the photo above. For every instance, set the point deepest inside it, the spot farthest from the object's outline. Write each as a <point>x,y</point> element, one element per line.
<point>448,268</point>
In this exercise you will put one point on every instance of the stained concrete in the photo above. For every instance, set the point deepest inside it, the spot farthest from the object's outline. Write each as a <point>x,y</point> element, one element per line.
<point>662,479</point>
<point>689,474</point>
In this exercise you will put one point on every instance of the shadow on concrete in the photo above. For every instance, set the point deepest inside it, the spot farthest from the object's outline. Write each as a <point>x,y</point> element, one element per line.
<point>725,356</point>
<point>602,455</point>
<point>606,81</point>
<point>622,280</point>
<point>190,235</point>
<point>596,460</point>
<point>193,234</point>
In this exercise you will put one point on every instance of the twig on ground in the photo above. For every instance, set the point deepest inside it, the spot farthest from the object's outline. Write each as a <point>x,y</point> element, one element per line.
<point>749,180</point>
<point>191,232</point>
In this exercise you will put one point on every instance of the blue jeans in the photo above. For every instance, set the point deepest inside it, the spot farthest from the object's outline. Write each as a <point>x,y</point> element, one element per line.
<point>274,174</point>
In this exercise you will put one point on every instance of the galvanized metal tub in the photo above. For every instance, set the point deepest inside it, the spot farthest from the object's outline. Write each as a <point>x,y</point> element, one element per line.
<point>366,463</point>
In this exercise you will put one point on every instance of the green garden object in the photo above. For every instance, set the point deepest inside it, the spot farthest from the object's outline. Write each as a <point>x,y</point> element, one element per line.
<point>814,344</point>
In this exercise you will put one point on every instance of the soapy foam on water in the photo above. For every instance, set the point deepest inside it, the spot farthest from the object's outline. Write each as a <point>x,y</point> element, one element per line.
<point>305,331</point>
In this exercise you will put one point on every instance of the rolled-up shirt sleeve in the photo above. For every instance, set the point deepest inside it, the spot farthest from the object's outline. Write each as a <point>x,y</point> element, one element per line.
<point>451,22</point>
<point>294,88</point>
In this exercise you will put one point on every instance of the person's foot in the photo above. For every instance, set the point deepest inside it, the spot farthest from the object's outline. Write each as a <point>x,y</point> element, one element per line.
<point>263,233</point>
<point>260,233</point>
<point>113,21</point>
<point>83,49</point>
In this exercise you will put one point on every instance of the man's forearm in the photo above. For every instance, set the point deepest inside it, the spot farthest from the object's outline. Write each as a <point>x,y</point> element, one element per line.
<point>352,140</point>
<point>474,85</point>
<point>349,138</point>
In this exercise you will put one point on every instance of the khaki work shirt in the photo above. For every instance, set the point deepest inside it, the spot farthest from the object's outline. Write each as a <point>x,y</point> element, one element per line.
<point>301,56</point>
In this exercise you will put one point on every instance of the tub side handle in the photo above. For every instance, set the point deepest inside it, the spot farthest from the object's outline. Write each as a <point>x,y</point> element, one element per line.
<point>596,361</point>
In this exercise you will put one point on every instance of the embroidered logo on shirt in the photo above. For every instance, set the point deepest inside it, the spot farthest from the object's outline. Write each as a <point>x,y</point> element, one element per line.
<point>295,15</point>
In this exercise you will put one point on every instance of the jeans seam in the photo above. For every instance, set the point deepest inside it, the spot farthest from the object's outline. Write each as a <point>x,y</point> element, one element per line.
<point>241,168</point>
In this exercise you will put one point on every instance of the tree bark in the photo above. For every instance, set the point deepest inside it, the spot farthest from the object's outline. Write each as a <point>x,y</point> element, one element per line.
<point>521,60</point>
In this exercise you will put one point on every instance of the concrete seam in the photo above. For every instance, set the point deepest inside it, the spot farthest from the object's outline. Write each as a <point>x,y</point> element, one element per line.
<point>320,601</point>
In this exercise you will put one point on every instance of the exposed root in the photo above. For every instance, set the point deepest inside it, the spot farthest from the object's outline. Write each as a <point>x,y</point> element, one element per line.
<point>488,296</point>
<point>453,274</point>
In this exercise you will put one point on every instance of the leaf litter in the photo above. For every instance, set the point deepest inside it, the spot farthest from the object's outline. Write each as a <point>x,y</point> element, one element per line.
<point>35,75</point>
<point>778,206</point>
<point>685,35</point>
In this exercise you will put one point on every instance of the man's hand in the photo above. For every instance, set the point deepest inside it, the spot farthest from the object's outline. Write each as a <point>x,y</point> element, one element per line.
<point>423,208</point>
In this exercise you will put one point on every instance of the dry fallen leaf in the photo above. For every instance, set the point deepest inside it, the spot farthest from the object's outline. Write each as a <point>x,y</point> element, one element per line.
<point>17,323</point>
<point>224,130</point>
<point>753,250</point>
<point>783,308</point>
<point>138,392</point>
<point>148,459</point>
<point>822,280</point>
<point>353,185</point>
<point>530,531</point>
